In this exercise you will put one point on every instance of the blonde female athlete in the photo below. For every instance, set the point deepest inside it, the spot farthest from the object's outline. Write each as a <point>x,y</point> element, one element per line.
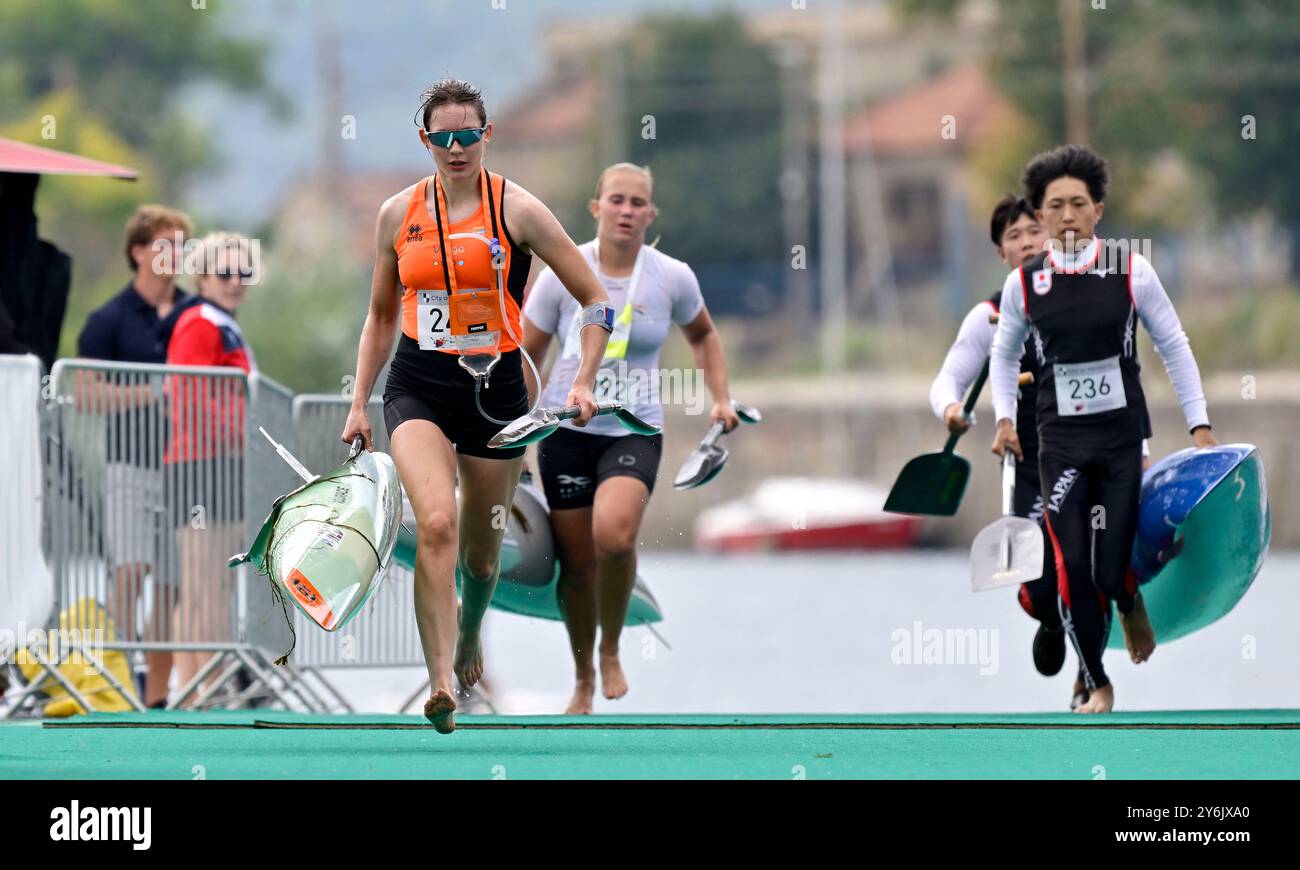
<point>598,480</point>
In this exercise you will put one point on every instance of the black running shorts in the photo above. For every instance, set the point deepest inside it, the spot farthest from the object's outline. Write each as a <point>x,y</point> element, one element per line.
<point>572,464</point>
<point>430,385</point>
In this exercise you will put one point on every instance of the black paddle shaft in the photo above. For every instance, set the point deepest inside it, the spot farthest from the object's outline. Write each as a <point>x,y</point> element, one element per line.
<point>569,412</point>
<point>975,391</point>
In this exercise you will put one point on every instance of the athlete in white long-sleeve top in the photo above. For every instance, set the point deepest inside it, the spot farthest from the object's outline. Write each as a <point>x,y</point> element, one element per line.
<point>1018,237</point>
<point>1081,304</point>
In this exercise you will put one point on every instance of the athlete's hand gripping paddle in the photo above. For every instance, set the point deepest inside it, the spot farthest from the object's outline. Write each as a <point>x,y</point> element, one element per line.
<point>534,426</point>
<point>933,484</point>
<point>706,461</point>
<point>1010,551</point>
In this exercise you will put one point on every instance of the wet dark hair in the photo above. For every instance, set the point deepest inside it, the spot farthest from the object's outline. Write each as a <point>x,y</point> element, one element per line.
<point>447,92</point>
<point>1074,161</point>
<point>1005,213</point>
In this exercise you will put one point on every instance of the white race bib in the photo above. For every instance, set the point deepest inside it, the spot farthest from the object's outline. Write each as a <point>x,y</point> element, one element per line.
<point>433,322</point>
<point>630,387</point>
<point>609,386</point>
<point>1089,388</point>
<point>433,319</point>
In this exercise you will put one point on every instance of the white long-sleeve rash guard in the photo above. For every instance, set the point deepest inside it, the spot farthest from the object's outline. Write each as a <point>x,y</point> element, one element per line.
<point>965,358</point>
<point>1154,310</point>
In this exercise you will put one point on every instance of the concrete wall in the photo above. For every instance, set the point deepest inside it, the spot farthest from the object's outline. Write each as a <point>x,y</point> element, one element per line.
<point>866,428</point>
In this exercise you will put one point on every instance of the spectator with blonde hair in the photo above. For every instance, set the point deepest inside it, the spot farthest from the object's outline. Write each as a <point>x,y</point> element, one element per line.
<point>204,455</point>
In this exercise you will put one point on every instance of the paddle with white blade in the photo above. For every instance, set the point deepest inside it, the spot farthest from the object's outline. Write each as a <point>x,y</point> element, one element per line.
<point>541,422</point>
<point>1010,551</point>
<point>705,461</point>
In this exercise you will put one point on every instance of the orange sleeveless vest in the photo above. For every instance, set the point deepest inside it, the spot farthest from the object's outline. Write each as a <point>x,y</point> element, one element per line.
<point>420,261</point>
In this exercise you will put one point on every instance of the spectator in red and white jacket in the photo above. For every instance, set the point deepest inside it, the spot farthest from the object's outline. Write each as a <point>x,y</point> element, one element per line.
<point>204,456</point>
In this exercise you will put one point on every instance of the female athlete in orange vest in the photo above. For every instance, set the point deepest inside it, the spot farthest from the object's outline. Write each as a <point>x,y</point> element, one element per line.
<point>458,247</point>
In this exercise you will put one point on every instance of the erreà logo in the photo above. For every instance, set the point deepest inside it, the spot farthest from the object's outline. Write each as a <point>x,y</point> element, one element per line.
<point>132,824</point>
<point>414,233</point>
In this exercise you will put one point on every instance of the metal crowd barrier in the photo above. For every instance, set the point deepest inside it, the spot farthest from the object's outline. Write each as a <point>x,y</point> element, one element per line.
<point>149,472</point>
<point>135,484</point>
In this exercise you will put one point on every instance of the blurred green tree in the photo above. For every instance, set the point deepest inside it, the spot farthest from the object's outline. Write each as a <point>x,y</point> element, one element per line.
<point>1216,82</point>
<point>104,78</point>
<point>303,321</point>
<point>127,61</point>
<point>703,108</point>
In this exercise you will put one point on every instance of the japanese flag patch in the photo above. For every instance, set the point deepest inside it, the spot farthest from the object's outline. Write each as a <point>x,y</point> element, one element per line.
<point>1042,281</point>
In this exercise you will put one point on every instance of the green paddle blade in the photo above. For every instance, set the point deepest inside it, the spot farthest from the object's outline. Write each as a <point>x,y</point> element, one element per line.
<point>528,429</point>
<point>932,484</point>
<point>633,423</point>
<point>404,551</point>
<point>701,466</point>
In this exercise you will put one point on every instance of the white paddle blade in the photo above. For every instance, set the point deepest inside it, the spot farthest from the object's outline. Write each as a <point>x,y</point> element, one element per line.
<point>533,426</point>
<point>1006,553</point>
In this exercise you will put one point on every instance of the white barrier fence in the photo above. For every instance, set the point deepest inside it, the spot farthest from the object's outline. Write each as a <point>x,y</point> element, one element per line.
<point>26,579</point>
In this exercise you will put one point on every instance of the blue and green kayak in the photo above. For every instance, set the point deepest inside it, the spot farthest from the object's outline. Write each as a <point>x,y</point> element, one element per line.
<point>1203,533</point>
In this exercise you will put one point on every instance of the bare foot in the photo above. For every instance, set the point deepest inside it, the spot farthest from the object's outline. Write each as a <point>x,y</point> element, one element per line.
<point>612,680</point>
<point>468,665</point>
<point>583,693</point>
<point>1139,636</point>
<point>440,709</point>
<point>1080,696</point>
<point>1099,700</point>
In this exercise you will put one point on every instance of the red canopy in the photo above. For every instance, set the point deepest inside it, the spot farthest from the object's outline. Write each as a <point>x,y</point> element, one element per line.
<point>21,157</point>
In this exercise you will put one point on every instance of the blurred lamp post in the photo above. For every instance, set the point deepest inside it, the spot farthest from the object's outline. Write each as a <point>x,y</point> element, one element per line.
<point>833,201</point>
<point>614,132</point>
<point>831,197</point>
<point>1076,70</point>
<point>791,57</point>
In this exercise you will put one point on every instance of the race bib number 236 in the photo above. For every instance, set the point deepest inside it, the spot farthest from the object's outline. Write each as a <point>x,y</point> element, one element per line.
<point>1089,388</point>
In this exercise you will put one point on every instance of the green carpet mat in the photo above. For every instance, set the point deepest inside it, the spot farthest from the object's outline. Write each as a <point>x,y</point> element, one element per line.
<point>274,745</point>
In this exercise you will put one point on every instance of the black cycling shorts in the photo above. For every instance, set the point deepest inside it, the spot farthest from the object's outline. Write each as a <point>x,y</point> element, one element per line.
<point>430,385</point>
<point>572,464</point>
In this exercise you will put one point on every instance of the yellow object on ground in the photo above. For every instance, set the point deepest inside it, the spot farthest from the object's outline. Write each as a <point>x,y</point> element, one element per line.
<point>84,624</point>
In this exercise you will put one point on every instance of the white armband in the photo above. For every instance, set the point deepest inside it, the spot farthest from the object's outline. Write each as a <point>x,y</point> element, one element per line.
<point>597,314</point>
